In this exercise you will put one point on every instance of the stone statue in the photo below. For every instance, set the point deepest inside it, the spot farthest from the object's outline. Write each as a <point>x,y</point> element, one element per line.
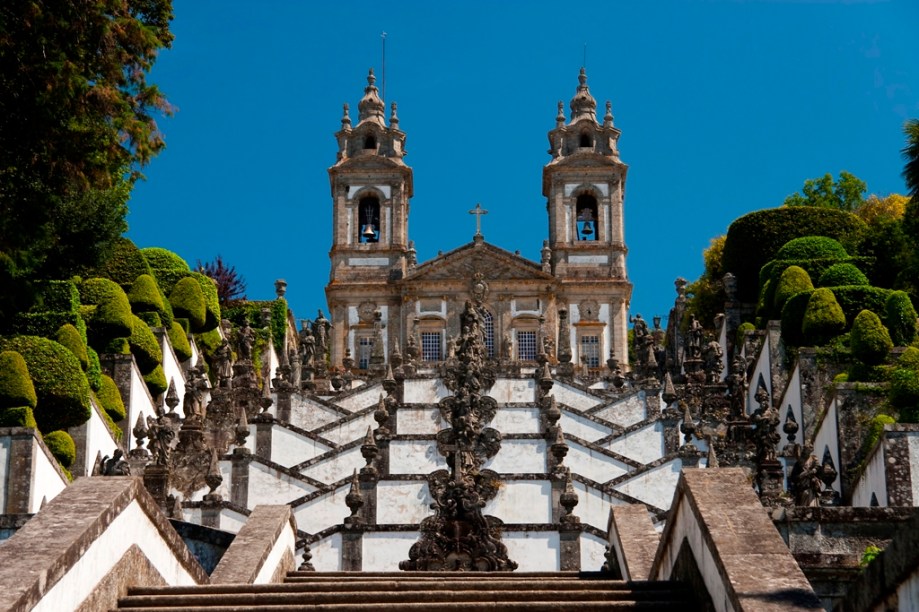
<point>116,466</point>
<point>245,338</point>
<point>737,385</point>
<point>712,359</point>
<point>805,479</point>
<point>223,358</point>
<point>307,347</point>
<point>193,402</point>
<point>294,368</point>
<point>639,326</point>
<point>507,346</point>
<point>695,338</point>
<point>321,327</point>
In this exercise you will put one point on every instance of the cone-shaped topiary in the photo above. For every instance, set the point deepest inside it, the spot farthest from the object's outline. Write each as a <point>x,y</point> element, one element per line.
<point>60,385</point>
<point>179,340</point>
<point>70,337</point>
<point>16,387</point>
<point>187,301</point>
<point>20,416</point>
<point>211,301</point>
<point>144,295</point>
<point>145,347</point>
<point>823,319</point>
<point>869,339</point>
<point>793,280</point>
<point>110,398</point>
<point>843,275</point>
<point>61,446</point>
<point>110,314</point>
<point>156,381</point>
<point>901,318</point>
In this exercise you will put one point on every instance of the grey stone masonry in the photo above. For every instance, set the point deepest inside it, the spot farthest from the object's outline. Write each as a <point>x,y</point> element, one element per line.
<point>250,549</point>
<point>633,540</point>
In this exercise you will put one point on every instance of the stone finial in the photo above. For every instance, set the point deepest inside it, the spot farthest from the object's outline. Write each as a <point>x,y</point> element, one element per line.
<point>583,104</point>
<point>560,117</point>
<point>242,428</point>
<point>545,378</point>
<point>354,500</point>
<point>608,117</point>
<point>280,288</point>
<point>688,426</point>
<point>369,452</point>
<point>172,396</point>
<point>558,447</point>
<point>345,118</point>
<point>371,107</point>
<point>553,414</point>
<point>669,392</point>
<point>791,425</point>
<point>393,118</point>
<point>139,431</point>
<point>712,461</point>
<point>307,565</point>
<point>568,500</point>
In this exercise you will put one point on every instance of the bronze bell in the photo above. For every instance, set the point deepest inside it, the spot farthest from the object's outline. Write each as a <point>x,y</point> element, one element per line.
<point>588,229</point>
<point>368,232</point>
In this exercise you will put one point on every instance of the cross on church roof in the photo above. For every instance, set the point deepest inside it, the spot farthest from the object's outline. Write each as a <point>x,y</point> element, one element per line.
<point>478,211</point>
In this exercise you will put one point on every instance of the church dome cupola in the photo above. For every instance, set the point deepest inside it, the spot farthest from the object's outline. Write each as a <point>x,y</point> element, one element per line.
<point>371,107</point>
<point>583,105</point>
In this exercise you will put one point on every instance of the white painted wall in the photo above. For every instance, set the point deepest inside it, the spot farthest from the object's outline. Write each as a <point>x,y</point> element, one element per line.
<point>872,480</point>
<point>513,390</point>
<point>286,543</point>
<point>828,436</point>
<point>382,551</point>
<point>534,551</point>
<point>46,481</point>
<point>419,421</point>
<point>907,594</point>
<point>791,397</point>
<point>522,501</point>
<point>323,512</point>
<point>424,391</point>
<point>582,427</point>
<point>269,486</point>
<point>519,456</point>
<point>400,501</point>
<point>140,403</point>
<point>414,457</point>
<point>625,412</point>
<point>98,438</point>
<point>593,552</point>
<point>5,442</point>
<point>290,448</point>
<point>575,398</point>
<point>761,368</point>
<point>593,465</point>
<point>327,553</point>
<point>231,520</point>
<point>655,486</point>
<point>336,466</point>
<point>517,421</point>
<point>369,396</point>
<point>644,445</point>
<point>350,431</point>
<point>307,414</point>
<point>593,505</point>
<point>172,369</point>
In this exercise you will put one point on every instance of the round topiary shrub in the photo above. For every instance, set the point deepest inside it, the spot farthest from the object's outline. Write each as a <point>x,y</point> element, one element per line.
<point>156,381</point>
<point>753,239</point>
<point>843,274</point>
<point>179,340</point>
<point>812,247</point>
<point>144,295</point>
<point>187,301</point>
<point>901,318</point>
<point>909,359</point>
<point>110,399</point>
<point>145,347</point>
<point>110,316</point>
<point>793,280</point>
<point>869,339</point>
<point>61,387</point>
<point>125,264</point>
<point>742,330</point>
<point>168,268</point>
<point>823,319</point>
<point>62,447</point>
<point>70,337</point>
<point>19,416</point>
<point>16,387</point>
<point>211,301</point>
<point>793,318</point>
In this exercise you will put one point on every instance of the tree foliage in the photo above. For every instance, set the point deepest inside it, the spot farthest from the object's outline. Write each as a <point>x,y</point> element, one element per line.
<point>911,157</point>
<point>231,286</point>
<point>845,194</point>
<point>76,122</point>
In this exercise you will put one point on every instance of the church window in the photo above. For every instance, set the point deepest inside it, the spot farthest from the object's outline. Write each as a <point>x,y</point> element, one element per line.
<point>431,346</point>
<point>526,345</point>
<point>590,351</point>
<point>369,220</point>
<point>586,214</point>
<point>364,349</point>
<point>488,323</point>
<point>370,142</point>
<point>585,141</point>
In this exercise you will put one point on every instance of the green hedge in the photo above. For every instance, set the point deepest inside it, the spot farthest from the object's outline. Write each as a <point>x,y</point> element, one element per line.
<point>904,386</point>
<point>150,318</point>
<point>110,313</point>
<point>144,295</point>
<point>116,346</point>
<point>869,339</point>
<point>145,347</point>
<point>853,300</point>
<point>793,318</point>
<point>19,416</point>
<point>60,385</point>
<point>742,330</point>
<point>900,318</point>
<point>156,381</point>
<point>94,371</point>
<point>55,296</point>
<point>168,268</point>
<point>70,337</point>
<point>16,387</point>
<point>812,247</point>
<point>753,239</point>
<point>843,275</point>
<point>793,280</point>
<point>179,340</point>
<point>211,301</point>
<point>62,447</point>
<point>823,319</point>
<point>188,302</point>
<point>110,399</point>
<point>45,324</point>
<point>125,264</point>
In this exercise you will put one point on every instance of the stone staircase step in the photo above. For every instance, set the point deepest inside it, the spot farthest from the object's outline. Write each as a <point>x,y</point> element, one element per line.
<point>512,606</point>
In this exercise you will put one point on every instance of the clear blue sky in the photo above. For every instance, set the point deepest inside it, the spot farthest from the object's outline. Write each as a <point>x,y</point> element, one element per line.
<point>724,107</point>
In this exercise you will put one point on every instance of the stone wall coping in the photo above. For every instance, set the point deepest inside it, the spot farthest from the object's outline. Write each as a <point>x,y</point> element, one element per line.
<point>251,548</point>
<point>28,432</point>
<point>53,542</point>
<point>633,538</point>
<point>754,566</point>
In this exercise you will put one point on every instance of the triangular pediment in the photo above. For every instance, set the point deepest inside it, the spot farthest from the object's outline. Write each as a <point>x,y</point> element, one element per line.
<point>493,262</point>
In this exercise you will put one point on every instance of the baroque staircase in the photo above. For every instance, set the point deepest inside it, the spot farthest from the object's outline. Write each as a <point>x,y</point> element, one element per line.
<point>429,591</point>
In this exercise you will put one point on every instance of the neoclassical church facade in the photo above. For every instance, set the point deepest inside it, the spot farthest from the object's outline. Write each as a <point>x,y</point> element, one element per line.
<point>571,305</point>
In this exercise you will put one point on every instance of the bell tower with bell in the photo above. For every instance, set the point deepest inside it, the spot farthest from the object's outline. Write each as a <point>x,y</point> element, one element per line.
<point>371,186</point>
<point>584,184</point>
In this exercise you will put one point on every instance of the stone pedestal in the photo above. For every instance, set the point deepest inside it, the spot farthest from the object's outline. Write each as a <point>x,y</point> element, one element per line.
<point>569,536</point>
<point>156,479</point>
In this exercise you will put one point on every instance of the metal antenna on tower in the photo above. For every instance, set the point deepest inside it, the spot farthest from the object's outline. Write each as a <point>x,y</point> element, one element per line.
<point>383,68</point>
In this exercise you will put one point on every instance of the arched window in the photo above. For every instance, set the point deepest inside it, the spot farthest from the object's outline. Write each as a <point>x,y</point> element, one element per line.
<point>370,142</point>
<point>488,323</point>
<point>368,220</point>
<point>585,141</point>
<point>586,214</point>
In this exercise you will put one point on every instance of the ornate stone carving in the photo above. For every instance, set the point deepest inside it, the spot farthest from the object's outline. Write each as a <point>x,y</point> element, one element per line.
<point>589,310</point>
<point>365,311</point>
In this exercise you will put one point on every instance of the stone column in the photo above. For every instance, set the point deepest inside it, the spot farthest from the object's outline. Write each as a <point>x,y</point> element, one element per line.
<point>263,426</point>
<point>569,535</point>
<point>239,477</point>
<point>23,447</point>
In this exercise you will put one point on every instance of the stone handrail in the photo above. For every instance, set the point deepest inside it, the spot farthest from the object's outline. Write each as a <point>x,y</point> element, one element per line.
<point>633,540</point>
<point>93,541</point>
<point>263,551</point>
<point>720,540</point>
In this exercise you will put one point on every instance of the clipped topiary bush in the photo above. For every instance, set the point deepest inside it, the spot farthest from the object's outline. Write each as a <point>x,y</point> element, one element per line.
<point>823,319</point>
<point>754,239</point>
<point>855,299</point>
<point>110,399</point>
<point>94,371</point>
<point>150,318</point>
<point>909,359</point>
<point>61,387</point>
<point>19,416</point>
<point>62,447</point>
<point>55,296</point>
<point>812,247</point>
<point>110,313</point>
<point>144,295</point>
<point>168,268</point>
<point>211,301</point>
<point>900,318</point>
<point>869,339</point>
<point>156,381</point>
<point>179,340</point>
<point>116,346</point>
<point>145,347</point>
<point>188,302</point>
<point>793,318</point>
<point>16,387</point>
<point>841,275</point>
<point>70,337</point>
<point>793,280</point>
<point>125,264</point>
<point>742,330</point>
<point>904,386</point>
